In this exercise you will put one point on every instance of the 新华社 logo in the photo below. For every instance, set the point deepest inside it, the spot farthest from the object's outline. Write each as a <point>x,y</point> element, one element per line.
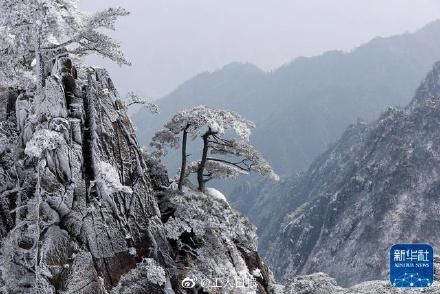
<point>411,265</point>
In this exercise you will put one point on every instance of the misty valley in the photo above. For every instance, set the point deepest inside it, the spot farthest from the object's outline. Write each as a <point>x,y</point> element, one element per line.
<point>319,176</point>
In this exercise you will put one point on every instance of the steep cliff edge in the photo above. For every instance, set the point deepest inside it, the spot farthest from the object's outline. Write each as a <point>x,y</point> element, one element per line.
<point>320,283</point>
<point>78,205</point>
<point>378,185</point>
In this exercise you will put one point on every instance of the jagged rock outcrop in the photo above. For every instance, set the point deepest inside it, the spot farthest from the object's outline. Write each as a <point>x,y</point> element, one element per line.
<point>72,226</point>
<point>378,185</point>
<point>7,102</point>
<point>78,206</point>
<point>213,244</point>
<point>321,283</point>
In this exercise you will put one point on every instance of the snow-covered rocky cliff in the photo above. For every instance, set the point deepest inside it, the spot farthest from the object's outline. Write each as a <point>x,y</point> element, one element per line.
<point>79,208</point>
<point>378,185</point>
<point>320,283</point>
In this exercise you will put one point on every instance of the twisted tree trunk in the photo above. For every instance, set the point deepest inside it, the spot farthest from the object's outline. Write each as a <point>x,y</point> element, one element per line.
<point>184,156</point>
<point>201,169</point>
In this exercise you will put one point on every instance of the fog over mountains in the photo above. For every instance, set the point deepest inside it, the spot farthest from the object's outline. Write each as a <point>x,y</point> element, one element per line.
<point>86,209</point>
<point>374,187</point>
<point>171,41</point>
<point>303,106</point>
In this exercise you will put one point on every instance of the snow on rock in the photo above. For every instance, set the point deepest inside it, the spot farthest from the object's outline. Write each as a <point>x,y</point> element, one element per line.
<point>214,242</point>
<point>87,220</point>
<point>54,211</point>
<point>41,141</point>
<point>109,178</point>
<point>256,273</point>
<point>318,283</point>
<point>51,103</point>
<point>366,193</point>
<point>216,194</point>
<point>321,283</point>
<point>147,277</point>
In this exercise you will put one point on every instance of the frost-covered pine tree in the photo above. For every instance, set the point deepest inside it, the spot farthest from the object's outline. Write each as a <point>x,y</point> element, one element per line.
<point>226,153</point>
<point>183,122</point>
<point>32,29</point>
<point>134,99</point>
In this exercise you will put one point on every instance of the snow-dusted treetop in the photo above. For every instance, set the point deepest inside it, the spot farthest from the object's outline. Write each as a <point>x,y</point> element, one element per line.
<point>196,121</point>
<point>199,118</point>
<point>133,99</point>
<point>161,140</point>
<point>234,158</point>
<point>224,133</point>
<point>251,159</point>
<point>32,28</point>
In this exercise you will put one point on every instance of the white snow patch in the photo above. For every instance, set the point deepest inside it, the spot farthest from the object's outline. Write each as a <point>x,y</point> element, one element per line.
<point>132,251</point>
<point>155,273</point>
<point>257,273</point>
<point>109,178</point>
<point>216,194</point>
<point>41,141</point>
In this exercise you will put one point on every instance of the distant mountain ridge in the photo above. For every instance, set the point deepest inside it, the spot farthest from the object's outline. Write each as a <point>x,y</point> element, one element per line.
<point>375,187</point>
<point>301,108</point>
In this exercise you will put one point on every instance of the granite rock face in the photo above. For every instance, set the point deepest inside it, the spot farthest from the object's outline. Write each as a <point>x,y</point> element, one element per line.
<point>378,185</point>
<point>78,205</point>
<point>213,244</point>
<point>320,283</point>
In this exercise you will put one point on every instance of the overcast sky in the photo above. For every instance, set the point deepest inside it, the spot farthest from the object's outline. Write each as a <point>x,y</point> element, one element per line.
<point>170,41</point>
